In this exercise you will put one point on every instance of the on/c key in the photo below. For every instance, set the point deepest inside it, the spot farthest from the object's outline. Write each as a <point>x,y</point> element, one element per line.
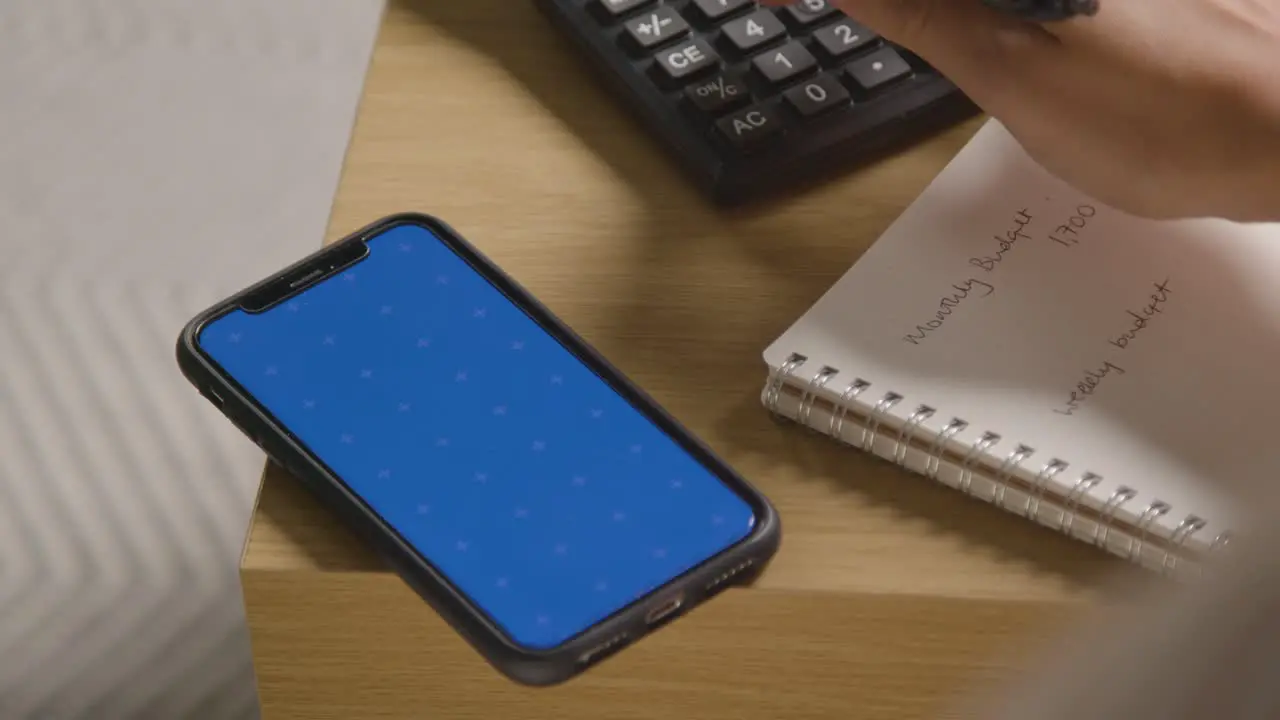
<point>751,126</point>
<point>715,95</point>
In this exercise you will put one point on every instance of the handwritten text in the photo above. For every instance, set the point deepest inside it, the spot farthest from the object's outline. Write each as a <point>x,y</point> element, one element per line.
<point>1143,316</point>
<point>1068,233</point>
<point>971,288</point>
<point>1005,242</point>
<point>1140,320</point>
<point>963,291</point>
<point>1087,386</point>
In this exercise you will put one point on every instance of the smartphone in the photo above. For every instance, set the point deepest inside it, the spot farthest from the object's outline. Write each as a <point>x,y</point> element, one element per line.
<point>543,504</point>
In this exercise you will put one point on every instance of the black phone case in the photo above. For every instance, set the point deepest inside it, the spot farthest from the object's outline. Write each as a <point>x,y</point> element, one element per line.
<point>529,667</point>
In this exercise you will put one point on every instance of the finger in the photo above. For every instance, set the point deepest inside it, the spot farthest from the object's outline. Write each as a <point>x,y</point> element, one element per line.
<point>1012,69</point>
<point>977,47</point>
<point>1131,30</point>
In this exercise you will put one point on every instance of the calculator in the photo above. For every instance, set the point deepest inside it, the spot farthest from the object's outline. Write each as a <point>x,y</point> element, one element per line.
<point>753,101</point>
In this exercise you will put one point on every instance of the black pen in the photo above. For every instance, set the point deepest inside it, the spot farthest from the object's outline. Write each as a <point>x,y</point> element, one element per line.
<point>1043,11</point>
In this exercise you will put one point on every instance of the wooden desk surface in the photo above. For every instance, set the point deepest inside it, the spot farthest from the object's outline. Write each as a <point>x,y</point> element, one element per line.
<point>476,111</point>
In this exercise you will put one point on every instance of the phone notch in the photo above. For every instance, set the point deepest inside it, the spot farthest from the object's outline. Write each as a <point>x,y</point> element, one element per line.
<point>327,263</point>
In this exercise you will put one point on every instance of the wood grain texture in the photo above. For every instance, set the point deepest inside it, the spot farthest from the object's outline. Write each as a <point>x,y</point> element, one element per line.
<point>478,112</point>
<point>346,645</point>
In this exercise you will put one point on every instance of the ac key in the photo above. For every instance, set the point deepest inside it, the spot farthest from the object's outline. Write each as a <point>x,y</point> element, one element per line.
<point>751,126</point>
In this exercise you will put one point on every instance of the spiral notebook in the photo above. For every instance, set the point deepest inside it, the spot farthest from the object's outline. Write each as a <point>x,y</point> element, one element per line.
<point>1108,376</point>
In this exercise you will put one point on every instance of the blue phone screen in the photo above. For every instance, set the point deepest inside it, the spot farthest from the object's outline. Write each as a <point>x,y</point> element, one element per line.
<point>490,447</point>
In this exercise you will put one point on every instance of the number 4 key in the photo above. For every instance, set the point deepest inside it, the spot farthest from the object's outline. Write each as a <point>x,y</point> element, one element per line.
<point>759,28</point>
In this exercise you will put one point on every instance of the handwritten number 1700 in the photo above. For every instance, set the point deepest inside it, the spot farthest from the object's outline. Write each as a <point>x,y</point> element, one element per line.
<point>1068,233</point>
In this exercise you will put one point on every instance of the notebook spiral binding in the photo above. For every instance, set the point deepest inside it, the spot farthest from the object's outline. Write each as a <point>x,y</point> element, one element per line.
<point>912,429</point>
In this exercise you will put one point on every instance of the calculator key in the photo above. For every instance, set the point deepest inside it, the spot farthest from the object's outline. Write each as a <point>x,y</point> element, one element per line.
<point>878,69</point>
<point>816,96</point>
<point>782,64</point>
<point>713,10</point>
<point>843,37</point>
<point>618,8</point>
<point>808,12</point>
<point>759,28</point>
<point>651,29</point>
<point>722,92</point>
<point>749,127</point>
<point>687,59</point>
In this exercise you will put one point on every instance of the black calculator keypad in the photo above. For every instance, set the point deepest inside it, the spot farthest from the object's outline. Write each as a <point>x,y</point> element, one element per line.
<point>752,99</point>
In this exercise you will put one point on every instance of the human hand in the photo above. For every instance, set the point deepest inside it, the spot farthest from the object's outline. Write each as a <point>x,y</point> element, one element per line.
<point>1162,109</point>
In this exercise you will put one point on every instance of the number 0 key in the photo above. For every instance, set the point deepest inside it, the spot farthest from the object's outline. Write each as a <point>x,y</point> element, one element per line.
<point>819,95</point>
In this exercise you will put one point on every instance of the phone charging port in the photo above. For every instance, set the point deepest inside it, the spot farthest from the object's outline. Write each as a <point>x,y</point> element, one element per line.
<point>664,611</point>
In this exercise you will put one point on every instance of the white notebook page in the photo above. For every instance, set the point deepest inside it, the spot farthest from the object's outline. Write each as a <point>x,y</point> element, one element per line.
<point>1143,351</point>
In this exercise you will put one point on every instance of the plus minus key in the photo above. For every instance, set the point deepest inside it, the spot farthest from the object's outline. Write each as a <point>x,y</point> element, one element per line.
<point>651,29</point>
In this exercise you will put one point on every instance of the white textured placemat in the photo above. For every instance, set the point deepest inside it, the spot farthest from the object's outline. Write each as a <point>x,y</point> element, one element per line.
<point>155,155</point>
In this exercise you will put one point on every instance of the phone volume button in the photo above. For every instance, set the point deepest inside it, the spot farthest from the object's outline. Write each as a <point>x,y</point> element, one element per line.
<point>212,396</point>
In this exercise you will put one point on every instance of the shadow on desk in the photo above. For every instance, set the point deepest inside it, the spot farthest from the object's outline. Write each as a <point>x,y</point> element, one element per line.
<point>781,257</point>
<point>884,486</point>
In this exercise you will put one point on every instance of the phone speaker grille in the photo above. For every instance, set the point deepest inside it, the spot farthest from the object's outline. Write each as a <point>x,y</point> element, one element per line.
<point>722,580</point>
<point>604,649</point>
